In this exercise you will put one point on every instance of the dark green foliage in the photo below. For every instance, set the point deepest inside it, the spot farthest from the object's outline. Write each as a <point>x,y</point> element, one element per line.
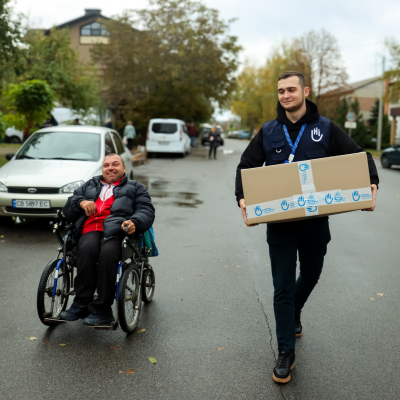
<point>374,114</point>
<point>29,102</point>
<point>341,113</point>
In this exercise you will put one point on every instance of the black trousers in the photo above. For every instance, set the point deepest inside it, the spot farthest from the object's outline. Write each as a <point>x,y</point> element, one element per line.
<point>97,266</point>
<point>310,239</point>
<point>213,149</point>
<point>130,144</point>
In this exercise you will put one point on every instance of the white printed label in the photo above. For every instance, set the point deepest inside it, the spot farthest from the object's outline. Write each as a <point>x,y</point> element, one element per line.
<point>306,176</point>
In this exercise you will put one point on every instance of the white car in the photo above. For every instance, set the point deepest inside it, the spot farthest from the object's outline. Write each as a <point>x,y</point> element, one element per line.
<point>167,136</point>
<point>51,164</point>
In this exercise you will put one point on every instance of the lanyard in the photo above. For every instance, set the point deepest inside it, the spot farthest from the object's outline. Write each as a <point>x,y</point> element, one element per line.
<point>293,147</point>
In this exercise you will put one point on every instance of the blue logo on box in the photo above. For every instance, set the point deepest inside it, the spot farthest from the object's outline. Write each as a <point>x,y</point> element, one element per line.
<point>312,209</point>
<point>285,205</point>
<point>258,211</point>
<point>301,201</point>
<point>328,199</point>
<point>304,167</point>
<point>355,195</point>
<point>338,197</point>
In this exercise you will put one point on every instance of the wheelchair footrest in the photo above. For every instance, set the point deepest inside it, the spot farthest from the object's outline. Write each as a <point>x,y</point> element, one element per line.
<point>55,320</point>
<point>111,327</point>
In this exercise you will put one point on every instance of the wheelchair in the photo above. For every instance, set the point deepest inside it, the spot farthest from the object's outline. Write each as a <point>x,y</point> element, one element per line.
<point>135,279</point>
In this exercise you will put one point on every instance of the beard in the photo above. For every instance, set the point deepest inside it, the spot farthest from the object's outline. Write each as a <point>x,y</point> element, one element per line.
<point>294,107</point>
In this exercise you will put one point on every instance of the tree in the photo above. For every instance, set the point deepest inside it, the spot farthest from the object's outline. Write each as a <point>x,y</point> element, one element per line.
<point>11,53</point>
<point>30,103</point>
<point>341,113</point>
<point>361,135</point>
<point>178,65</point>
<point>320,55</point>
<point>51,58</point>
<point>374,114</point>
<point>394,72</point>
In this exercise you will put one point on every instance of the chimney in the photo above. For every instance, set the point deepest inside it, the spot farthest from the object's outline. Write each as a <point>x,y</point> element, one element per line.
<point>92,11</point>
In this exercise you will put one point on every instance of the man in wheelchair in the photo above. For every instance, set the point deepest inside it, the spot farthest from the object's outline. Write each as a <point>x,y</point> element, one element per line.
<point>101,209</point>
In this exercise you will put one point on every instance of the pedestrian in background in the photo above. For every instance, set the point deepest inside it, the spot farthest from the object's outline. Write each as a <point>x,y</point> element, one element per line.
<point>109,123</point>
<point>76,121</point>
<point>215,141</point>
<point>191,132</point>
<point>129,134</point>
<point>297,121</point>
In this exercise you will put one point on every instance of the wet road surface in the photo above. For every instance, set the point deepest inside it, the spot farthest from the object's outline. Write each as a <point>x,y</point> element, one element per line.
<point>211,325</point>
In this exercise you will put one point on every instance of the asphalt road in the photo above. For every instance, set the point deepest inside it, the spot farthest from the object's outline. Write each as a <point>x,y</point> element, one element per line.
<point>211,324</point>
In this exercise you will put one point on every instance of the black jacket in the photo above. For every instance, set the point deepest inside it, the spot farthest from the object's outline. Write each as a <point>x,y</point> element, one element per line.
<point>132,201</point>
<point>339,144</point>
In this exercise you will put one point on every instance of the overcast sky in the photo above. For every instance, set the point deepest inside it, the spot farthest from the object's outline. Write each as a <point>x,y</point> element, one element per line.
<point>360,26</point>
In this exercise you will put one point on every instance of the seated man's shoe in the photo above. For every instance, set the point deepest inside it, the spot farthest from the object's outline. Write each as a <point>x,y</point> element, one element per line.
<point>74,313</point>
<point>299,327</point>
<point>94,320</point>
<point>283,366</point>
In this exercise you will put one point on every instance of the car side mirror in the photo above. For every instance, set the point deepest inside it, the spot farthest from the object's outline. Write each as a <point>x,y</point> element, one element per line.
<point>9,156</point>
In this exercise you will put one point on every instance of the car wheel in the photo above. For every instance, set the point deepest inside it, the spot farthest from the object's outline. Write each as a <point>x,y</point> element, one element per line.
<point>385,162</point>
<point>14,140</point>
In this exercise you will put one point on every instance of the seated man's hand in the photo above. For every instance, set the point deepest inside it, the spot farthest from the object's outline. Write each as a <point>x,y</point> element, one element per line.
<point>131,226</point>
<point>89,207</point>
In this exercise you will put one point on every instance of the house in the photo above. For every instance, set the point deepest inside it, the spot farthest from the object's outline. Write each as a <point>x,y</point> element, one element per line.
<point>85,31</point>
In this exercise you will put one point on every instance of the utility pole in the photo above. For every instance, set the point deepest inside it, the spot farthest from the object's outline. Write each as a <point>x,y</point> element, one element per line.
<point>380,114</point>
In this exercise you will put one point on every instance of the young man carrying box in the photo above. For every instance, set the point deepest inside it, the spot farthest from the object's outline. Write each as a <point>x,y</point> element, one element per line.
<point>297,134</point>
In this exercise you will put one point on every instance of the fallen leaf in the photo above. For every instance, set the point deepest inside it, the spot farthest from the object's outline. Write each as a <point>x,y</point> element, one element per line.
<point>130,371</point>
<point>120,372</point>
<point>226,266</point>
<point>372,298</point>
<point>141,330</point>
<point>2,236</point>
<point>152,360</point>
<point>200,275</point>
<point>225,308</point>
<point>46,342</point>
<point>380,294</point>
<point>181,299</point>
<point>32,338</point>
<point>220,348</point>
<point>64,344</point>
<point>113,347</point>
<point>239,266</point>
<point>181,279</point>
<point>221,260</point>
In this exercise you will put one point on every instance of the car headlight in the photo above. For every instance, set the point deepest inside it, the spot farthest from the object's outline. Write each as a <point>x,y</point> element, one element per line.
<point>70,187</point>
<point>3,188</point>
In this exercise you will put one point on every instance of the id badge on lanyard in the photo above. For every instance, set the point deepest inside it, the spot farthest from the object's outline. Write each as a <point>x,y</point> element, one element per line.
<point>293,147</point>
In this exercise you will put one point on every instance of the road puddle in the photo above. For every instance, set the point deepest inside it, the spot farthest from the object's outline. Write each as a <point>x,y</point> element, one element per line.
<point>157,188</point>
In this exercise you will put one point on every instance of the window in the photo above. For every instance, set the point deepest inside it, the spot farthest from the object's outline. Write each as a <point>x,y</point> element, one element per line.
<point>118,143</point>
<point>94,29</point>
<point>109,144</point>
<point>164,127</point>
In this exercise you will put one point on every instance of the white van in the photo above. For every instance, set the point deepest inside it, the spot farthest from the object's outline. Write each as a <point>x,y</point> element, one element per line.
<point>166,135</point>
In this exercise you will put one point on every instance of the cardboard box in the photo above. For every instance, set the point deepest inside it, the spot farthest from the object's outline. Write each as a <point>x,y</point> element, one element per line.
<point>299,190</point>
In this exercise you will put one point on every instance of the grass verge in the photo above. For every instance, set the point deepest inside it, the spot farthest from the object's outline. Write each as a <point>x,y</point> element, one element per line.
<point>3,160</point>
<point>375,153</point>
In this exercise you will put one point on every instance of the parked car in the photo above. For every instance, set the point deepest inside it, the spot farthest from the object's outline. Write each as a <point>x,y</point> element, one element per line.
<point>167,135</point>
<point>233,134</point>
<point>51,164</point>
<point>390,156</point>
<point>244,134</point>
<point>205,136</point>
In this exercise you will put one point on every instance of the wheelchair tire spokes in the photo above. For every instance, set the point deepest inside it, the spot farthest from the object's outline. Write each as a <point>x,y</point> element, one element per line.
<point>148,285</point>
<point>53,289</point>
<point>129,299</point>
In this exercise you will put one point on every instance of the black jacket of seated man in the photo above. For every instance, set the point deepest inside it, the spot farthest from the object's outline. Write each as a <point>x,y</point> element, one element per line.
<point>99,251</point>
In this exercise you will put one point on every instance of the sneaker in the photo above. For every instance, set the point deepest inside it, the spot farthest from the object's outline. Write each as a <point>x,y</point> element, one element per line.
<point>74,313</point>
<point>299,327</point>
<point>94,320</point>
<point>283,366</point>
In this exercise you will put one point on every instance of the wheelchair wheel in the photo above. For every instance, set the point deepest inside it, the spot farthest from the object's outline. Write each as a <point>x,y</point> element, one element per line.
<point>129,300</point>
<point>148,285</point>
<point>45,291</point>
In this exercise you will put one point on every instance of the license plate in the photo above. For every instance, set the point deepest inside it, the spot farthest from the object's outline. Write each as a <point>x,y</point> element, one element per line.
<point>31,203</point>
<point>163,143</point>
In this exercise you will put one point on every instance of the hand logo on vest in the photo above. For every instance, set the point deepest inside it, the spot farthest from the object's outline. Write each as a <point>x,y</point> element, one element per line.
<point>278,151</point>
<point>258,211</point>
<point>356,195</point>
<point>285,205</point>
<point>301,201</point>
<point>316,134</point>
<point>328,199</point>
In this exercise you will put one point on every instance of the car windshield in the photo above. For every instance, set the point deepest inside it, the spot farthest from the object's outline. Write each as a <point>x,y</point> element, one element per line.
<point>164,127</point>
<point>62,146</point>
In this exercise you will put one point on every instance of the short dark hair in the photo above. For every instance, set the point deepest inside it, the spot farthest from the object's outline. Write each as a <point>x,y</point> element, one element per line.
<point>114,154</point>
<point>288,74</point>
